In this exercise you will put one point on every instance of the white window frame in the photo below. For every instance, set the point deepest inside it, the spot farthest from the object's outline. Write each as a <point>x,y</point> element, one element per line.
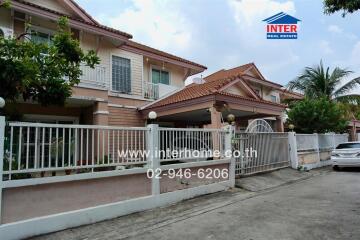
<point>161,69</point>
<point>111,74</point>
<point>42,30</point>
<point>276,98</point>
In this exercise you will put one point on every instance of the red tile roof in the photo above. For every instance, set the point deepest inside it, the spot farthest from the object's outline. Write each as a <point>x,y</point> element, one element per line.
<point>193,91</point>
<point>228,73</point>
<point>234,72</point>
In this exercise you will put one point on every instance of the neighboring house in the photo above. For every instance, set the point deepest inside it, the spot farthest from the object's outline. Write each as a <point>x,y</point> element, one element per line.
<point>129,75</point>
<point>242,91</point>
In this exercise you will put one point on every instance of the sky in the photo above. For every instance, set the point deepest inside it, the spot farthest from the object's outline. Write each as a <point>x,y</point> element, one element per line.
<point>222,34</point>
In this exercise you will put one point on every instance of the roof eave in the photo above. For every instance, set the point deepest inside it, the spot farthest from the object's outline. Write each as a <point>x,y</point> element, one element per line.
<point>196,67</point>
<point>73,23</point>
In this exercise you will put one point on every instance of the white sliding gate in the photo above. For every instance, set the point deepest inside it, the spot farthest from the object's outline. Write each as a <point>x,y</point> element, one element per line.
<point>261,152</point>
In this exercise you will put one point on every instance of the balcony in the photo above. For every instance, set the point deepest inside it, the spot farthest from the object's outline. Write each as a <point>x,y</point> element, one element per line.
<point>93,77</point>
<point>155,91</point>
<point>151,90</point>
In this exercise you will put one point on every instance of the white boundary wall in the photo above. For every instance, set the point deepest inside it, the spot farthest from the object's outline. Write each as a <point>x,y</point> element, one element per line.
<point>313,150</point>
<point>63,220</point>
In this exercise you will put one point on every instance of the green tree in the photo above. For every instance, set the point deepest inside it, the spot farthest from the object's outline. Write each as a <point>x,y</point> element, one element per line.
<point>317,115</point>
<point>318,82</point>
<point>42,72</point>
<point>346,6</point>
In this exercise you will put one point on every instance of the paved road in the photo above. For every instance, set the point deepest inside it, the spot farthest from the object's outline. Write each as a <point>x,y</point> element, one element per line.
<point>326,206</point>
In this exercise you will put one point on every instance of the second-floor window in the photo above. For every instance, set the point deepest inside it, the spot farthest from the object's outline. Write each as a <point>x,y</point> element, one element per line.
<point>160,76</point>
<point>39,36</point>
<point>273,98</point>
<point>121,74</point>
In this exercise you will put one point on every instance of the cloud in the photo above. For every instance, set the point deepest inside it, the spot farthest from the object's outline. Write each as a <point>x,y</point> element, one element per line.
<point>334,29</point>
<point>156,23</point>
<point>325,47</point>
<point>252,11</point>
<point>355,53</point>
<point>251,35</point>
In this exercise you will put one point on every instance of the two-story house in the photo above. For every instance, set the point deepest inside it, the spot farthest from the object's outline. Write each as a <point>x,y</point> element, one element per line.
<point>241,91</point>
<point>133,79</point>
<point>129,75</point>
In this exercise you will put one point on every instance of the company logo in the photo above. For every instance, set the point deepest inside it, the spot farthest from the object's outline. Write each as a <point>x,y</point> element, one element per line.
<point>281,26</point>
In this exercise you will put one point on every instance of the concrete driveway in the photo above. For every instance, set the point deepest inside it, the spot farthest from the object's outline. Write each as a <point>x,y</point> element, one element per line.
<point>323,206</point>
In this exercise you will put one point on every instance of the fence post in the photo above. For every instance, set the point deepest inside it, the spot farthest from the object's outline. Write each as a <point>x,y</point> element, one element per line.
<point>317,145</point>
<point>228,151</point>
<point>154,158</point>
<point>2,138</point>
<point>293,150</point>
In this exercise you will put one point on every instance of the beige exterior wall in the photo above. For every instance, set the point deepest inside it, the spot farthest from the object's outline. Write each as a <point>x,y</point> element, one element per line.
<point>236,90</point>
<point>177,74</point>
<point>106,50</point>
<point>266,92</point>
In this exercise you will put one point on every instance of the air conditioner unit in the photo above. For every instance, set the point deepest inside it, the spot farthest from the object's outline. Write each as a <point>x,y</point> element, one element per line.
<point>6,32</point>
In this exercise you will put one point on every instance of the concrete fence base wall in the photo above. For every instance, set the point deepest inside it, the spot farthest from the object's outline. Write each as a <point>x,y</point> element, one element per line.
<point>41,200</point>
<point>57,222</point>
<point>90,200</point>
<point>314,159</point>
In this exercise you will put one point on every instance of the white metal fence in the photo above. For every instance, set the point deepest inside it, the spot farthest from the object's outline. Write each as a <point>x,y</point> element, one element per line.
<point>317,142</point>
<point>36,147</point>
<point>36,150</point>
<point>261,152</point>
<point>191,144</point>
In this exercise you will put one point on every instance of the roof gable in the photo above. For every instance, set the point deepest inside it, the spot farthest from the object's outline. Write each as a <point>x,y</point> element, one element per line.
<point>223,73</point>
<point>281,18</point>
<point>248,68</point>
<point>67,7</point>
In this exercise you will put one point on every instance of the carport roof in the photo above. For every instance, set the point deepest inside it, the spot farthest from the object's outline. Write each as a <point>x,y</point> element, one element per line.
<point>208,88</point>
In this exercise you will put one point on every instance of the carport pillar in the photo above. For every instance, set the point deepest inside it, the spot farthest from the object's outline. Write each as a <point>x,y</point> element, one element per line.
<point>215,118</point>
<point>215,124</point>
<point>101,117</point>
<point>279,124</point>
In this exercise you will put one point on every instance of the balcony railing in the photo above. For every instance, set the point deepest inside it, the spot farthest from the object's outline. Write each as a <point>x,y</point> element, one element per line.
<point>151,90</point>
<point>156,91</point>
<point>93,77</point>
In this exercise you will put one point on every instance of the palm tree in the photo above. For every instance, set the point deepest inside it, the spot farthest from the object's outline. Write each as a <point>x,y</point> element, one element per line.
<point>317,82</point>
